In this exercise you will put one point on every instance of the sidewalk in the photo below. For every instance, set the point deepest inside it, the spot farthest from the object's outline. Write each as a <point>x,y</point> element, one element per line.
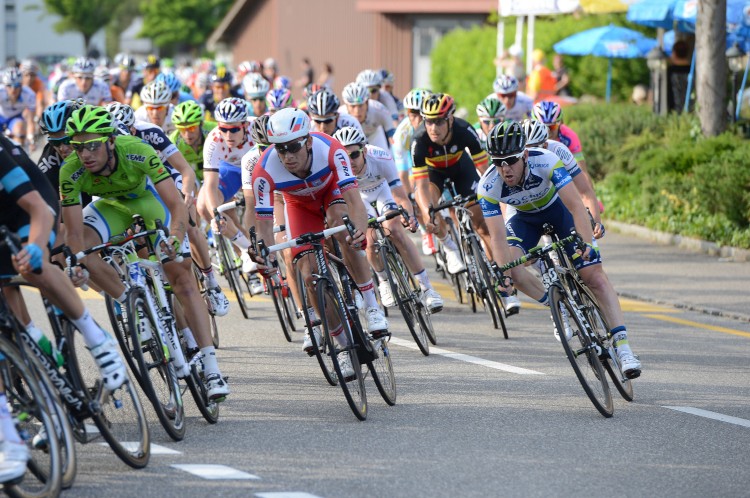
<point>665,274</point>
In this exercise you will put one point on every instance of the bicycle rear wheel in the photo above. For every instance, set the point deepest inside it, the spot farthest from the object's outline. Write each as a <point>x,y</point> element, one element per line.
<point>28,405</point>
<point>381,369</point>
<point>232,273</point>
<point>322,352</point>
<point>119,415</point>
<point>407,300</point>
<point>211,315</point>
<point>333,317</point>
<point>208,408</point>
<point>581,353</point>
<point>277,297</point>
<point>489,296</point>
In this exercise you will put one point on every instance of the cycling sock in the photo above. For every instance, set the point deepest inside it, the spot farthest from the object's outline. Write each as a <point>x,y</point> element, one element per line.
<point>93,335</point>
<point>544,299</point>
<point>123,297</point>
<point>340,338</point>
<point>210,365</point>
<point>368,292</point>
<point>448,243</point>
<point>6,422</point>
<point>311,314</point>
<point>423,279</point>
<point>187,334</point>
<point>382,277</point>
<point>619,337</point>
<point>241,241</point>
<point>210,277</point>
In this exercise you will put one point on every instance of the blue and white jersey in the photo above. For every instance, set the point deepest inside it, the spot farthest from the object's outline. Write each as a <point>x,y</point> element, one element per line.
<point>545,176</point>
<point>98,94</point>
<point>566,156</point>
<point>9,110</point>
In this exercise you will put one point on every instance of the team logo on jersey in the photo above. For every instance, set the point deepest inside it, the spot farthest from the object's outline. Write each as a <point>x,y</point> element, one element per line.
<point>262,186</point>
<point>532,181</point>
<point>454,149</point>
<point>153,138</point>
<point>76,175</point>
<point>49,163</point>
<point>136,157</point>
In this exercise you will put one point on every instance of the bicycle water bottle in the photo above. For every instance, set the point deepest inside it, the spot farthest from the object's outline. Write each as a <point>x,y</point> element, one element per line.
<point>136,275</point>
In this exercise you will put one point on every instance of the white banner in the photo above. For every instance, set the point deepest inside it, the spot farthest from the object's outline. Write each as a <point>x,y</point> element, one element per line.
<point>536,7</point>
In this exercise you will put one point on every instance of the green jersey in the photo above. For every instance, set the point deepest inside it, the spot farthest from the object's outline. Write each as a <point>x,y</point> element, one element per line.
<point>194,159</point>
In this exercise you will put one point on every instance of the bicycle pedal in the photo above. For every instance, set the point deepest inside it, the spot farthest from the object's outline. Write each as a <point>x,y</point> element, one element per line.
<point>315,323</point>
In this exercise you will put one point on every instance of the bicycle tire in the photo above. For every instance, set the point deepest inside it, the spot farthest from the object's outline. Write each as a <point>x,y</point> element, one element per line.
<point>232,273</point>
<point>43,476</point>
<point>158,376</point>
<point>121,329</point>
<point>474,290</point>
<point>121,419</point>
<point>382,371</point>
<point>278,304</point>
<point>581,353</point>
<point>209,409</point>
<point>403,293</point>
<point>609,358</point>
<point>321,351</point>
<point>354,389</point>
<point>490,297</point>
<point>211,314</point>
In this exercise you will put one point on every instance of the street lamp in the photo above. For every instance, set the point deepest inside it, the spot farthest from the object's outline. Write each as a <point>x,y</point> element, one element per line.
<point>735,59</point>
<point>656,60</point>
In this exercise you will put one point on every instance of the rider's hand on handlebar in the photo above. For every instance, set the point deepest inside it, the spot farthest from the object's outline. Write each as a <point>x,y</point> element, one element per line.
<point>218,228</point>
<point>588,252</point>
<point>599,230</point>
<point>79,275</point>
<point>358,241</point>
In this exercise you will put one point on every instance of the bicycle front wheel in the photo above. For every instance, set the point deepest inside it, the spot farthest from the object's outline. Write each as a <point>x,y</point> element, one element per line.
<point>232,273</point>
<point>278,303</point>
<point>581,352</point>
<point>320,348</point>
<point>333,319</point>
<point>489,296</point>
<point>382,371</point>
<point>407,301</point>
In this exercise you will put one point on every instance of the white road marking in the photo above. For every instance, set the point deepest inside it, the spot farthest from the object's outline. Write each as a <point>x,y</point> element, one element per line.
<point>286,494</point>
<point>467,358</point>
<point>214,472</point>
<point>156,449</point>
<point>133,446</point>
<point>712,415</point>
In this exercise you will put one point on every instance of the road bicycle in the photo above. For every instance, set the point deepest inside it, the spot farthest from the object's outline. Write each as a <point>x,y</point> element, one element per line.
<point>576,312</point>
<point>229,263</point>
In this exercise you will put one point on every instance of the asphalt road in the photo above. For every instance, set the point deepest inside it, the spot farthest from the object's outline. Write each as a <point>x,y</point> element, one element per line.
<point>467,423</point>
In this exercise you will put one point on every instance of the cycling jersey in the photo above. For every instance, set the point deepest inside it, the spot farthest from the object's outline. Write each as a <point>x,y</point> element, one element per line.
<point>226,161</point>
<point>570,139</point>
<point>156,138</point>
<point>376,180</point>
<point>194,159</point>
<point>10,110</point>
<point>521,109</point>
<point>142,115</point>
<point>450,161</point>
<point>401,147</point>
<point>378,118</point>
<point>389,102</point>
<point>97,94</point>
<point>561,151</point>
<point>49,164</point>
<point>249,161</point>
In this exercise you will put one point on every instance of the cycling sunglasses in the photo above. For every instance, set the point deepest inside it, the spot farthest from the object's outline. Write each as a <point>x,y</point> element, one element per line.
<point>233,129</point>
<point>324,120</point>
<point>156,107</point>
<point>490,122</point>
<point>355,154</point>
<point>507,160</point>
<point>435,122</point>
<point>90,145</point>
<point>58,142</point>
<point>291,148</point>
<point>188,127</point>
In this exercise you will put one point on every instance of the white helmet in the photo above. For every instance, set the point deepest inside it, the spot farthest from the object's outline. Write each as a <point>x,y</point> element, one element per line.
<point>121,113</point>
<point>84,65</point>
<point>255,86</point>
<point>102,72</point>
<point>355,93</point>
<point>287,124</point>
<point>505,84</point>
<point>536,132</point>
<point>349,135</point>
<point>157,93</point>
<point>369,78</point>
<point>231,110</point>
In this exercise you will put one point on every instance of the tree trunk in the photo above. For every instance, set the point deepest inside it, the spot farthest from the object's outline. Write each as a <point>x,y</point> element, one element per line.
<point>711,66</point>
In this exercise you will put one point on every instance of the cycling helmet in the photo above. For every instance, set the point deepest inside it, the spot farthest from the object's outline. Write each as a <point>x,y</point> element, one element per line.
<point>156,93</point>
<point>490,108</point>
<point>125,62</point>
<point>438,105</point>
<point>547,112</point>
<point>56,115</point>
<point>536,132</point>
<point>84,65</point>
<point>152,62</point>
<point>323,103</point>
<point>90,119</point>
<point>355,93</point>
<point>387,77</point>
<point>29,66</point>
<point>120,128</point>
<point>12,77</point>
<point>506,139</point>
<point>243,68</point>
<point>278,98</point>
<point>282,82</point>
<point>310,89</point>
<point>222,75</point>
<point>505,84</point>
<point>258,131</point>
<point>201,80</point>
<point>171,80</point>
<point>102,73</point>
<point>122,113</point>
<point>415,97</point>
<point>286,125</point>
<point>349,135</point>
<point>255,86</point>
<point>231,110</point>
<point>369,78</point>
<point>188,113</point>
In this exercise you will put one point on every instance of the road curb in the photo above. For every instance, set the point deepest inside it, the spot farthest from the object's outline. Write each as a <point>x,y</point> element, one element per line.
<point>684,306</point>
<point>695,245</point>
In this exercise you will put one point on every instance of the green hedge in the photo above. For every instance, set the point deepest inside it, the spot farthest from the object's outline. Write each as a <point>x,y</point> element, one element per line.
<point>462,62</point>
<point>661,173</point>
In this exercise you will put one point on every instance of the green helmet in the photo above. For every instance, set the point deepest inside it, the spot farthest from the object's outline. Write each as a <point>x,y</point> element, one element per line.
<point>490,108</point>
<point>187,114</point>
<point>90,119</point>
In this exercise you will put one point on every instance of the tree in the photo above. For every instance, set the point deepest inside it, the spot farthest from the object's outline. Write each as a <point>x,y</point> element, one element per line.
<point>711,65</point>
<point>84,16</point>
<point>186,22</point>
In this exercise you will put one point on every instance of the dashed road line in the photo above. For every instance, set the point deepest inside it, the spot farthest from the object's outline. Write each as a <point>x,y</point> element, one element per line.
<point>214,472</point>
<point>712,415</point>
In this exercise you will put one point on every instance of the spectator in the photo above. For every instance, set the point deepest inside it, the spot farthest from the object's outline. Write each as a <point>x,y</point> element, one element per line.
<point>326,77</point>
<point>562,79</point>
<point>541,83</point>
<point>677,76</point>
<point>640,95</point>
<point>308,74</point>
<point>511,63</point>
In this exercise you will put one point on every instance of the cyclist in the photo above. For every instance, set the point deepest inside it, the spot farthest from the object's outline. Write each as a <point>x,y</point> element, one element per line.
<point>136,183</point>
<point>175,86</point>
<point>323,108</point>
<point>313,173</point>
<point>373,80</point>
<point>278,98</point>
<point>17,108</point>
<point>517,104</point>
<point>379,184</point>
<point>30,73</point>
<point>190,134</point>
<point>125,68</point>
<point>372,115</point>
<point>84,85</point>
<point>157,106</point>
<point>438,152</point>
<point>151,69</point>
<point>388,80</point>
<point>255,87</point>
<point>102,73</point>
<point>490,111</point>
<point>534,186</point>
<point>220,82</point>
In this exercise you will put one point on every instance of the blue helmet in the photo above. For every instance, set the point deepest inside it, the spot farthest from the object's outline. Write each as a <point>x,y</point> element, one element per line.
<point>56,116</point>
<point>172,82</point>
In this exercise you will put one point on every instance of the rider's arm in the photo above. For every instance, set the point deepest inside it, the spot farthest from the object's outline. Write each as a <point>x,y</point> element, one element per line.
<point>188,174</point>
<point>211,162</point>
<point>478,154</point>
<point>496,226</point>
<point>338,161</point>
<point>588,196</point>
<point>572,200</point>
<point>17,184</point>
<point>263,189</point>
<point>178,211</point>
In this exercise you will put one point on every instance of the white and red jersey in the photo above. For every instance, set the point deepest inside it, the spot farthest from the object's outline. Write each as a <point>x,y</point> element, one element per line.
<point>329,164</point>
<point>216,151</point>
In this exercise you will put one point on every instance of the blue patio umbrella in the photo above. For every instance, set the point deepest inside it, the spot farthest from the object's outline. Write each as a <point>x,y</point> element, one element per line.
<point>656,14</point>
<point>612,42</point>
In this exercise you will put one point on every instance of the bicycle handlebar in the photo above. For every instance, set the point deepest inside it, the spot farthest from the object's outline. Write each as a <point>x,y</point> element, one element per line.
<point>229,206</point>
<point>303,239</point>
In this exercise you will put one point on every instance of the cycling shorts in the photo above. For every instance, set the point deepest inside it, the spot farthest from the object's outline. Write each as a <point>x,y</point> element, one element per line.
<point>303,216</point>
<point>463,174</point>
<point>230,180</point>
